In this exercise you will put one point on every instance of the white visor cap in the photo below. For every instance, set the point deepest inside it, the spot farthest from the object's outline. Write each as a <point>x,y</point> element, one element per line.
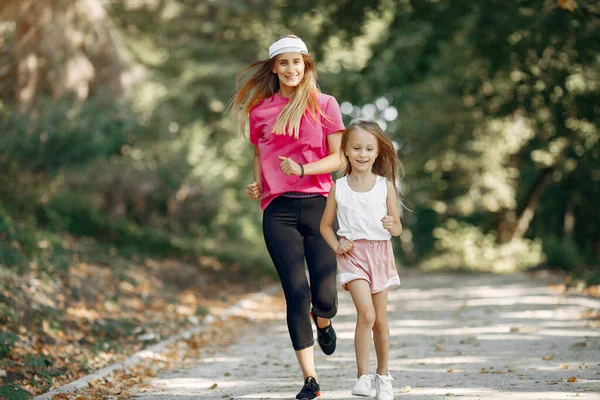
<point>287,45</point>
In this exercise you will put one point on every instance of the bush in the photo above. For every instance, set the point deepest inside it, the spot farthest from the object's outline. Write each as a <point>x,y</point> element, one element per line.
<point>562,252</point>
<point>7,342</point>
<point>65,134</point>
<point>462,246</point>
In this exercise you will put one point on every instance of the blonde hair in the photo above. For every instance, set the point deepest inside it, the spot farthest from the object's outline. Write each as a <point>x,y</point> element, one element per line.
<point>387,162</point>
<point>264,83</point>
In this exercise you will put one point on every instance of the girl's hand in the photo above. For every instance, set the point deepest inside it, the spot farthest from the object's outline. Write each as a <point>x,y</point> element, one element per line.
<point>388,223</point>
<point>254,190</point>
<point>345,246</point>
<point>289,166</point>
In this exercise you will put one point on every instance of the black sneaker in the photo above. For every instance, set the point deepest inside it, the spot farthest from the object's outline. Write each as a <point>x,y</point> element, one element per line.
<point>325,336</point>
<point>310,390</point>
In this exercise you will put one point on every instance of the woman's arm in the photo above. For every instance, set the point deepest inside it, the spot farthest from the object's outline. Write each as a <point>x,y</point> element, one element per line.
<point>256,166</point>
<point>327,219</point>
<point>391,222</point>
<point>330,163</point>
<point>326,165</point>
<point>254,190</point>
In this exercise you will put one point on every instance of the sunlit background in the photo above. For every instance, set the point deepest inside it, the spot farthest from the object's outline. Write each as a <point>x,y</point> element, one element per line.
<point>122,179</point>
<point>115,124</point>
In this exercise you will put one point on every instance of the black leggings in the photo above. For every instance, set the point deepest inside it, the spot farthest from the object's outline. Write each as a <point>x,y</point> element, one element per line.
<point>291,231</point>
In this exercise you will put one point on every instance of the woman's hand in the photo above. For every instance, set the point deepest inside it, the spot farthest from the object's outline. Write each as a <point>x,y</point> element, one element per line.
<point>289,166</point>
<point>345,246</point>
<point>254,190</point>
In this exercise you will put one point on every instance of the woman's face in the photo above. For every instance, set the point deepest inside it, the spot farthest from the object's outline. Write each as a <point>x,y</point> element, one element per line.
<point>289,68</point>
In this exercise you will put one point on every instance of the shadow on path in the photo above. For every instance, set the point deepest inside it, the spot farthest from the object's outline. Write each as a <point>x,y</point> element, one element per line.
<point>452,336</point>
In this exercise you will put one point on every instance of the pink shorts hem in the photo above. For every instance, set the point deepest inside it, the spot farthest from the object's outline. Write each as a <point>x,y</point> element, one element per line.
<point>393,282</point>
<point>369,260</point>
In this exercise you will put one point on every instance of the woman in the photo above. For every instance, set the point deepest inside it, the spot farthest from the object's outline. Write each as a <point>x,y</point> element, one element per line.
<point>296,133</point>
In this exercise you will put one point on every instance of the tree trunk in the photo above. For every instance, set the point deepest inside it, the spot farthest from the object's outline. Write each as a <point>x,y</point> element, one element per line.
<point>525,216</point>
<point>61,48</point>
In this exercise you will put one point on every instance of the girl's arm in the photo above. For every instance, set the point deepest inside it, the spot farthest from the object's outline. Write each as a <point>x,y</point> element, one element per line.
<point>391,222</point>
<point>326,165</point>
<point>326,227</point>
<point>339,246</point>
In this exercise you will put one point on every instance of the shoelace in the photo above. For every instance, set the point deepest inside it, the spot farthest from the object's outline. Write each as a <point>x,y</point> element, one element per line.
<point>364,378</point>
<point>386,387</point>
<point>310,386</point>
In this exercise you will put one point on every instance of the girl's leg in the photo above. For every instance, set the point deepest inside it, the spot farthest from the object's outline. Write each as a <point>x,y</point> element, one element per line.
<point>381,331</point>
<point>361,296</point>
<point>285,245</point>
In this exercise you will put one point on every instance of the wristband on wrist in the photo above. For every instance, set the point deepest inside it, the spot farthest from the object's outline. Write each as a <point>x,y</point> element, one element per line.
<point>302,169</point>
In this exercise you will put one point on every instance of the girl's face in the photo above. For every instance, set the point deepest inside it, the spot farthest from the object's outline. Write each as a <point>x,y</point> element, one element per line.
<point>289,68</point>
<point>362,149</point>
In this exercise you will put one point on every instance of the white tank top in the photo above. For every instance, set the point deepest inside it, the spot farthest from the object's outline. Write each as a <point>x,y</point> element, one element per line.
<point>359,214</point>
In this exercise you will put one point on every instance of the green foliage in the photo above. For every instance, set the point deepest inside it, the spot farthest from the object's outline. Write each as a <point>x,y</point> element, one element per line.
<point>114,329</point>
<point>14,392</point>
<point>23,246</point>
<point>7,342</point>
<point>65,134</point>
<point>462,246</point>
<point>488,98</point>
<point>38,361</point>
<point>9,251</point>
<point>562,252</point>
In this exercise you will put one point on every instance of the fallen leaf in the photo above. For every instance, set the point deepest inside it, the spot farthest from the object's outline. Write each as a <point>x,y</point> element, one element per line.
<point>450,370</point>
<point>572,379</point>
<point>547,358</point>
<point>405,389</point>
<point>515,329</point>
<point>227,374</point>
<point>214,386</point>
<point>563,366</point>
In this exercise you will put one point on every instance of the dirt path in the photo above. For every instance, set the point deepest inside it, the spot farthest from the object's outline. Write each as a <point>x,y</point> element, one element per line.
<point>463,336</point>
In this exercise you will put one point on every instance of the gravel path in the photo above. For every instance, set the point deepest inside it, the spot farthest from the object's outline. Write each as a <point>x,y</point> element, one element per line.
<point>452,336</point>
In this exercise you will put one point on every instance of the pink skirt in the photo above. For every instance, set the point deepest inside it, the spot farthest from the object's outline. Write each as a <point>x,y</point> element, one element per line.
<point>372,261</point>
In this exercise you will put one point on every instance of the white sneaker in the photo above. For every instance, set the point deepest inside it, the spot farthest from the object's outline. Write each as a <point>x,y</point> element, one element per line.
<point>363,386</point>
<point>383,387</point>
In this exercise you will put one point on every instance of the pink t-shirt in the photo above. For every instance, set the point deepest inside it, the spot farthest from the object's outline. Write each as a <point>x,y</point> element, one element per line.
<point>310,146</point>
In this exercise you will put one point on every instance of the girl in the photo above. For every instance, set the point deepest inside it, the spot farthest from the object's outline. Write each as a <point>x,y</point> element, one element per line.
<point>296,133</point>
<point>367,212</point>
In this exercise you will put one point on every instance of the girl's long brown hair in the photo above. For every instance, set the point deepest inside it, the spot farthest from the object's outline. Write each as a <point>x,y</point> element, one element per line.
<point>387,162</point>
<point>264,83</point>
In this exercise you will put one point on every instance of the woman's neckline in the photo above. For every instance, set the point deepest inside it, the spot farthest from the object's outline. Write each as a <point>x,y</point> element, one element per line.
<point>368,191</point>
<point>280,95</point>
